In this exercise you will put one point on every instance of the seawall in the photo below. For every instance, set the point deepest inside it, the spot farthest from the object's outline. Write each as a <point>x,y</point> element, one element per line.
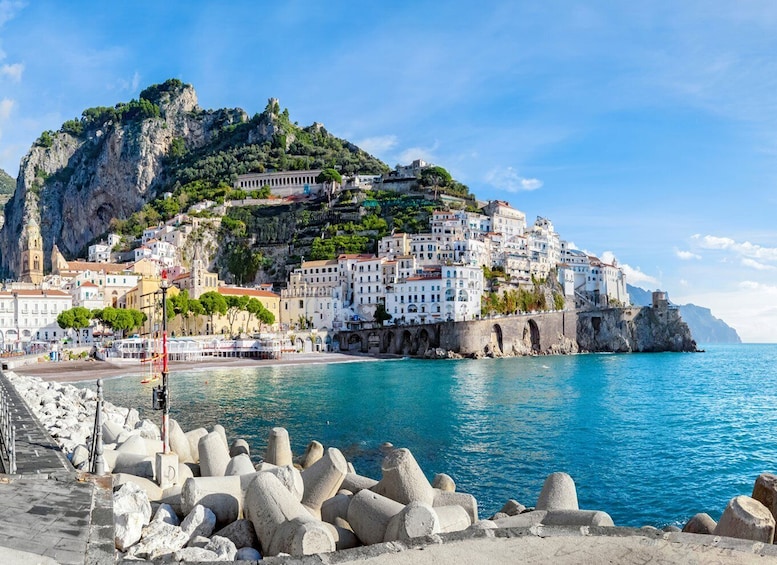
<point>635,329</point>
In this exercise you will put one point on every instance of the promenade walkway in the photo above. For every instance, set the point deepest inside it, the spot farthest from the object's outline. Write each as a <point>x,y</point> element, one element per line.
<point>51,513</point>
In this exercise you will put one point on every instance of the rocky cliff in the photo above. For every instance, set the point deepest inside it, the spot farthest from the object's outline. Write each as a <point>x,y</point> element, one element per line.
<point>75,181</point>
<point>705,327</point>
<point>625,330</point>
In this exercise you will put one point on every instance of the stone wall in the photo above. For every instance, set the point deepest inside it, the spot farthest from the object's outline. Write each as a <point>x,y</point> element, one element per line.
<point>546,333</point>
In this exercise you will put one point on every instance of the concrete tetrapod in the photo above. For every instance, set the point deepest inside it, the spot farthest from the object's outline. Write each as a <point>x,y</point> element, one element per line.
<point>415,520</point>
<point>219,429</point>
<point>223,495</point>
<point>240,465</point>
<point>369,515</point>
<point>179,443</point>
<point>278,450</point>
<point>313,453</point>
<point>193,437</point>
<point>239,447</point>
<point>322,480</point>
<point>403,480</point>
<point>746,518</point>
<point>355,483</point>
<point>765,492</point>
<point>281,523</point>
<point>701,523</point>
<point>214,456</point>
<point>558,493</point>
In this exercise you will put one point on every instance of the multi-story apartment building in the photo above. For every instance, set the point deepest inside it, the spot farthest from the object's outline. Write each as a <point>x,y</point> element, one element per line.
<point>27,316</point>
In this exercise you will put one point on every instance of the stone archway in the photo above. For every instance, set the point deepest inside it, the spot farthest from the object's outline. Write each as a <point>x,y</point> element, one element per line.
<point>406,345</point>
<point>531,336</point>
<point>496,338</point>
<point>354,342</point>
<point>388,341</point>
<point>423,342</point>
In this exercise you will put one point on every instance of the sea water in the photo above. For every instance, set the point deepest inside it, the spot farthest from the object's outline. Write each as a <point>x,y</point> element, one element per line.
<point>650,439</point>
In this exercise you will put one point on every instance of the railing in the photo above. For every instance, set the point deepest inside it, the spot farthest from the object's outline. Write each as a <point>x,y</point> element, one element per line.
<point>96,458</point>
<point>7,433</point>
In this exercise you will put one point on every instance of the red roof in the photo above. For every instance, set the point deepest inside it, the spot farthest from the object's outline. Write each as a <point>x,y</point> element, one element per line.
<point>240,291</point>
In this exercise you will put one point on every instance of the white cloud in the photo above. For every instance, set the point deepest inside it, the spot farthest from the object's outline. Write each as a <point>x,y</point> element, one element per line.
<point>378,144</point>
<point>9,9</point>
<point>14,72</point>
<point>684,283</point>
<point>744,307</point>
<point>635,276</point>
<point>412,153</point>
<point>745,248</point>
<point>746,262</point>
<point>508,179</point>
<point>135,81</point>
<point>6,106</point>
<point>687,255</point>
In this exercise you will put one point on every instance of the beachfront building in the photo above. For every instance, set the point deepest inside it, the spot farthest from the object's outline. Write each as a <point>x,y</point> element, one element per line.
<point>241,321</point>
<point>28,316</point>
<point>416,299</point>
<point>368,289</point>
<point>463,288</point>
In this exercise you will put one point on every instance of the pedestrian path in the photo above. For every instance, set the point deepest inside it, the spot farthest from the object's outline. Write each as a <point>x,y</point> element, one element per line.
<point>51,512</point>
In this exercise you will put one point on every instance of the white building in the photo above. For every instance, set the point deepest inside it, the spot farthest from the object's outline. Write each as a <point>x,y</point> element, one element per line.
<point>31,315</point>
<point>87,295</point>
<point>544,247</point>
<point>282,183</point>
<point>505,219</point>
<point>416,299</point>
<point>100,253</point>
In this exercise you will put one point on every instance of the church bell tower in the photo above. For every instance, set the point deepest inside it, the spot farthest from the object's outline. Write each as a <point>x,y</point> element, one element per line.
<point>32,254</point>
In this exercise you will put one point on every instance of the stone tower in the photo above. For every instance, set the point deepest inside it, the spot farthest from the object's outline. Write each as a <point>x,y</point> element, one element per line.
<point>32,254</point>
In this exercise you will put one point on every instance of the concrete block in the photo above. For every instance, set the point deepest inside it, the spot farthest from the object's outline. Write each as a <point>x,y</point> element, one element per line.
<point>179,443</point>
<point>558,493</point>
<point>512,508</point>
<point>403,480</point>
<point>282,524</point>
<point>166,467</point>
<point>525,520</point>
<point>335,507</point>
<point>355,483</point>
<point>240,465</point>
<point>577,518</point>
<point>214,455</point>
<point>452,518</point>
<point>322,480</point>
<point>701,523</point>
<point>239,447</point>
<point>417,519</point>
<point>289,475</point>
<point>193,437</point>
<point>765,492</point>
<point>466,501</point>
<point>746,518</point>
<point>369,514</point>
<point>278,448</point>
<point>444,482</point>
<point>313,452</point>
<point>222,495</point>
<point>219,429</point>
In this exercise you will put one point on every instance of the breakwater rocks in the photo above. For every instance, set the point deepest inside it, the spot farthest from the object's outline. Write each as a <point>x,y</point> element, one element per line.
<point>209,500</point>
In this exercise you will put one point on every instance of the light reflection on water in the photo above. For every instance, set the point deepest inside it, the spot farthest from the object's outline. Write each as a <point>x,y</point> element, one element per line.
<point>650,439</point>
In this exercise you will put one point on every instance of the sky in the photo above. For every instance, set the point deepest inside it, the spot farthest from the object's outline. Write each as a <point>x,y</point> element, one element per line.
<point>645,131</point>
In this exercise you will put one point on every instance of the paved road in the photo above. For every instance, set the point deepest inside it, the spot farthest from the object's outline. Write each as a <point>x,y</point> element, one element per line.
<point>47,510</point>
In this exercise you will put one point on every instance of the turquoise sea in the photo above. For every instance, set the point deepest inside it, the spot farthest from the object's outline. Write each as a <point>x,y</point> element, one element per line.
<point>649,438</point>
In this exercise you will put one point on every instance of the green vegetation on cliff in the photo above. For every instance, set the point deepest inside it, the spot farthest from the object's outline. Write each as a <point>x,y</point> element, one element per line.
<point>7,184</point>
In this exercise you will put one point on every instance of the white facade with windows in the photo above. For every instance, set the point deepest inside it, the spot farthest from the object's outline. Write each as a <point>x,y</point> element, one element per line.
<point>31,315</point>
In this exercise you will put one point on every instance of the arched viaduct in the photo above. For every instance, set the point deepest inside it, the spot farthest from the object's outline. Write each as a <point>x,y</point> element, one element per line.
<point>522,334</point>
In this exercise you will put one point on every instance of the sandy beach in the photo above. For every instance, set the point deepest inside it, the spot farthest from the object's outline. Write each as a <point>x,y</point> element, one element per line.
<point>91,369</point>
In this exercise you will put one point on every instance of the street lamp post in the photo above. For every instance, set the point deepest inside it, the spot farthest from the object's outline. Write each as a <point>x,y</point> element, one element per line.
<point>161,393</point>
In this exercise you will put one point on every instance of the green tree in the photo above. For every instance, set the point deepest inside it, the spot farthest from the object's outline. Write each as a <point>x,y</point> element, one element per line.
<point>76,318</point>
<point>196,310</point>
<point>242,262</point>
<point>329,175</point>
<point>235,305</point>
<point>381,314</point>
<point>213,303</point>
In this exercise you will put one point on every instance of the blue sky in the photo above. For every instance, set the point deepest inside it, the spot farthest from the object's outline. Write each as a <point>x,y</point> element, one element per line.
<point>645,131</point>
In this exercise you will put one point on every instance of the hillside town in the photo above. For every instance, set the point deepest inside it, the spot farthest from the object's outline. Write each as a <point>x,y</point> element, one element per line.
<point>414,278</point>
